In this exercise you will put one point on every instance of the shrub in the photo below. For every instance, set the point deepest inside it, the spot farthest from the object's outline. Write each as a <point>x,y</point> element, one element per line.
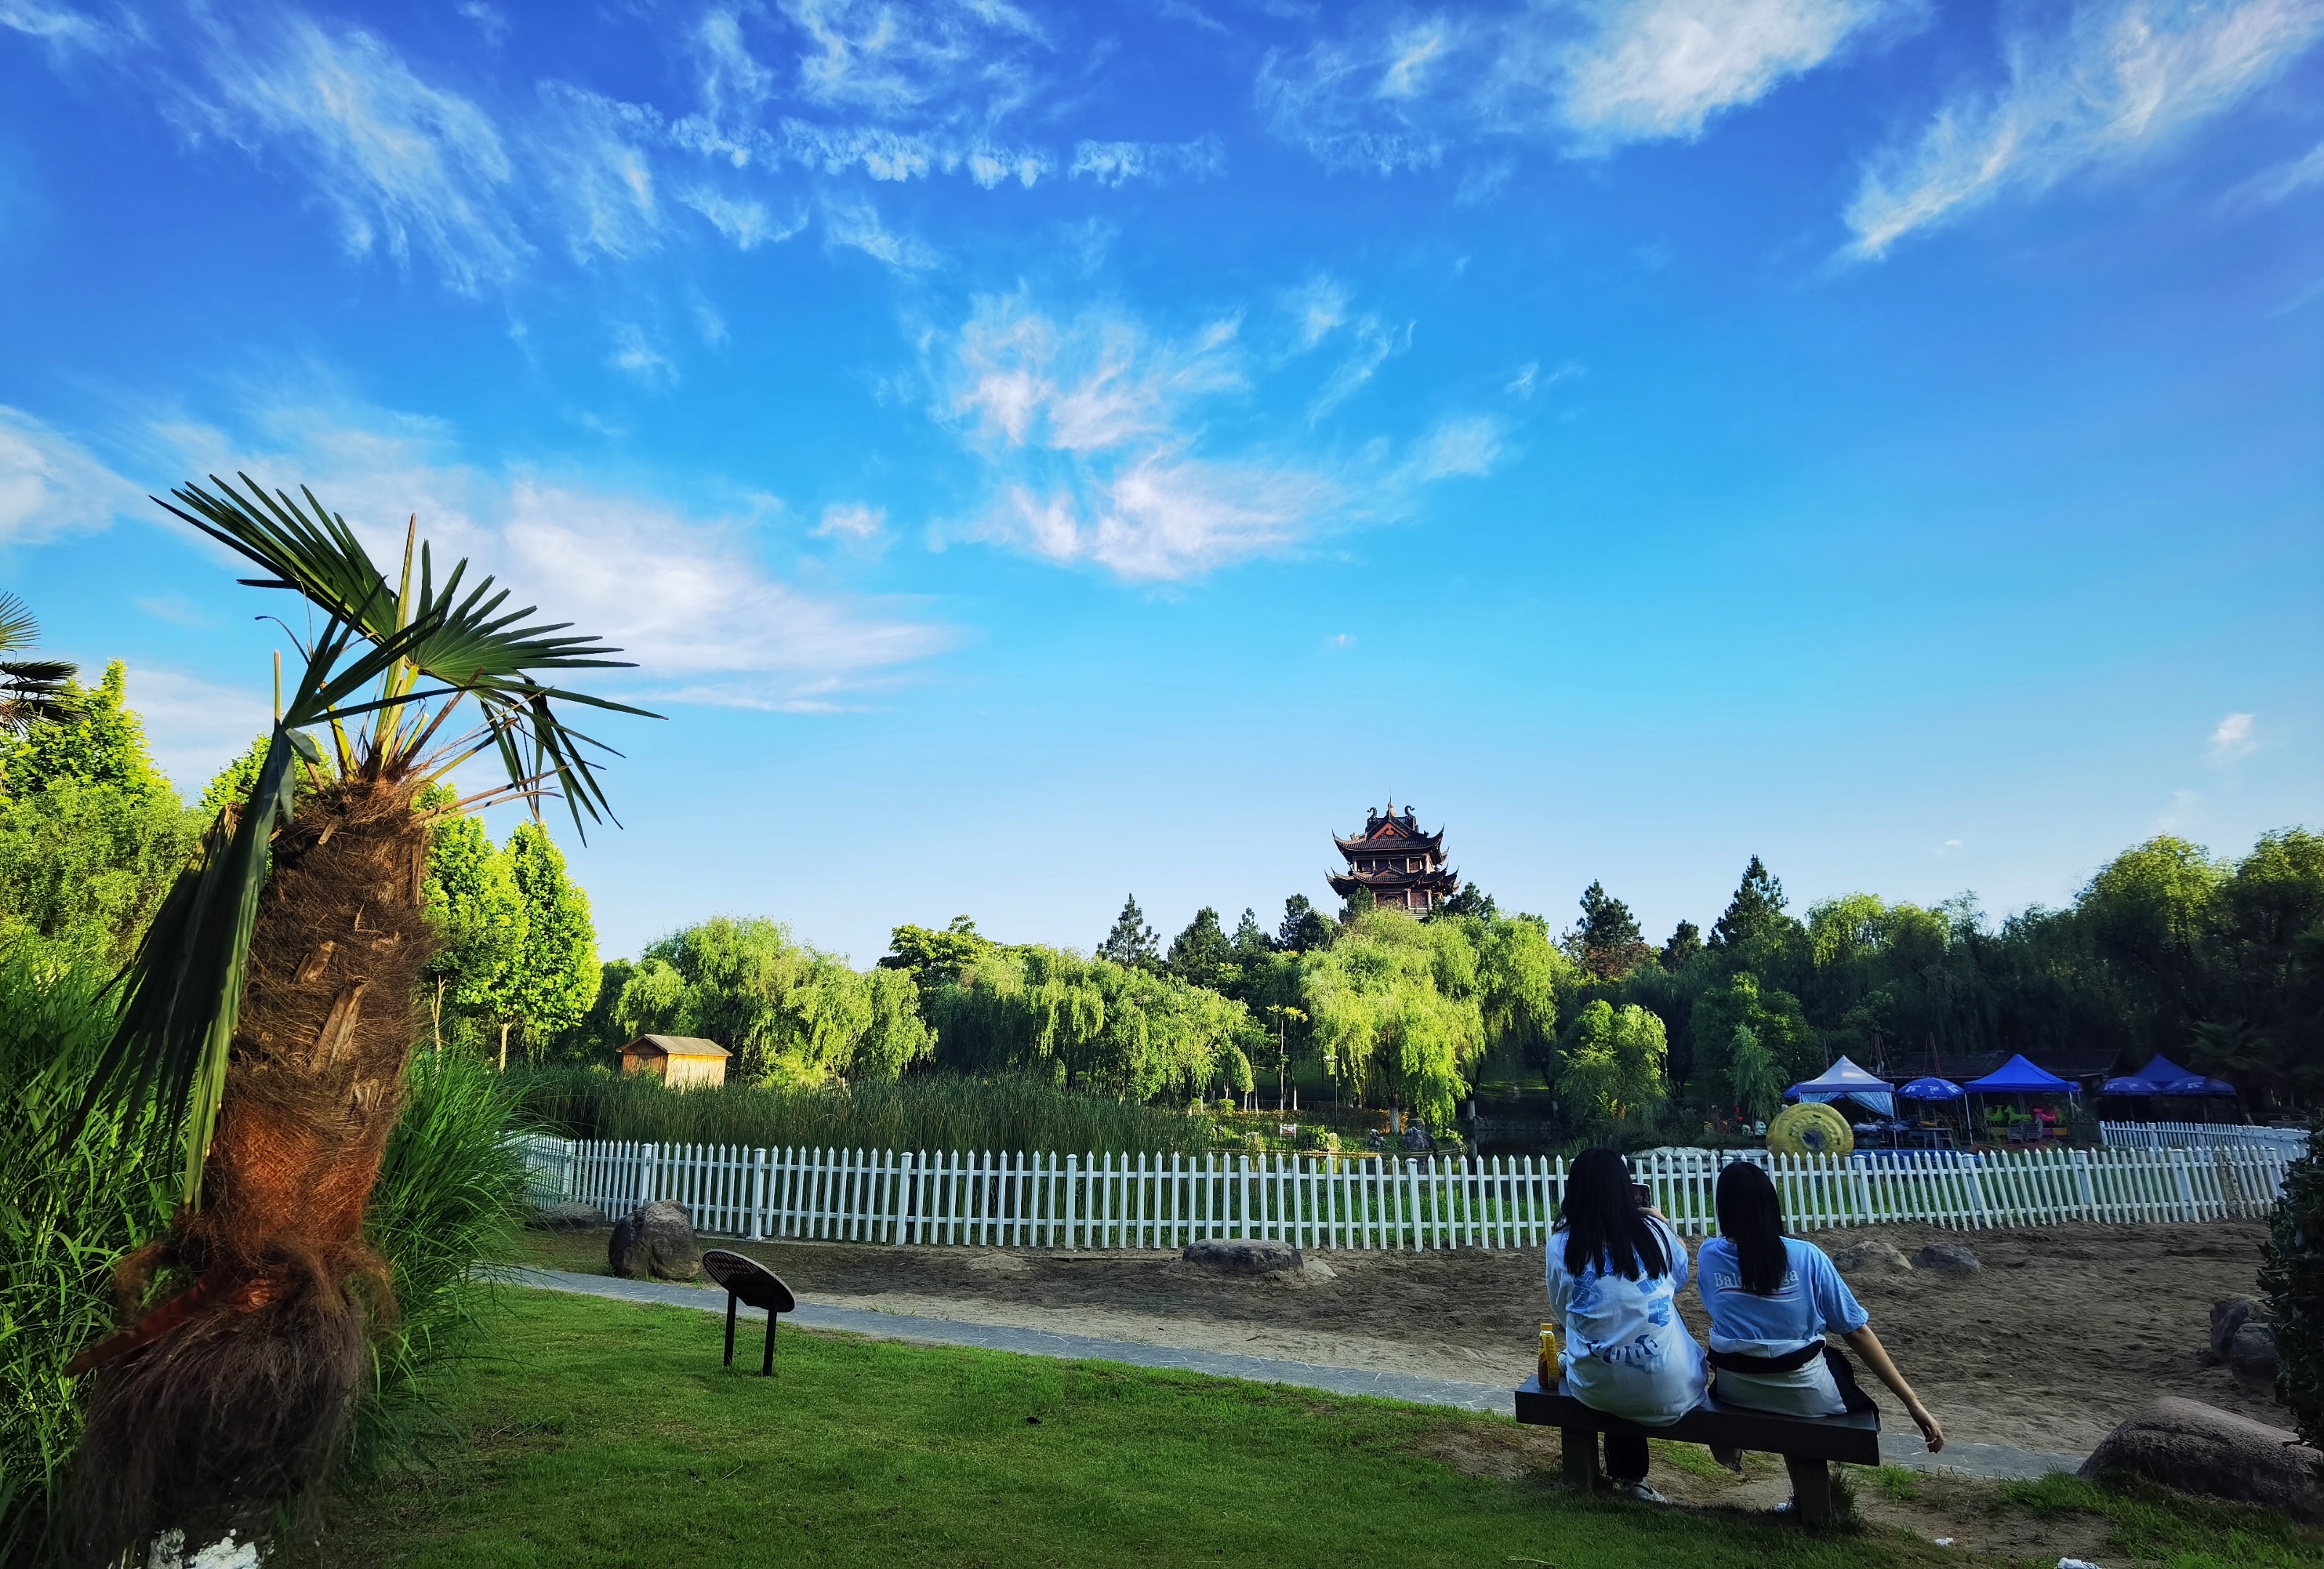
<point>2292,1275</point>
<point>448,1194</point>
<point>930,1111</point>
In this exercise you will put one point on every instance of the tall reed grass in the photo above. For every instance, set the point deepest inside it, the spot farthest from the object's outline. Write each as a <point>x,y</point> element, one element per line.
<point>927,1111</point>
<point>448,1194</point>
<point>69,1208</point>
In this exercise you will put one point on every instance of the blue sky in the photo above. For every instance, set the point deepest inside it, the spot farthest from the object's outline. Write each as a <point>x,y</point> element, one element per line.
<point>1036,454</point>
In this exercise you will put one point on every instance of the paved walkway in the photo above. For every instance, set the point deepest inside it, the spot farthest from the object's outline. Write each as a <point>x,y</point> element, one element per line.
<point>1906,1449</point>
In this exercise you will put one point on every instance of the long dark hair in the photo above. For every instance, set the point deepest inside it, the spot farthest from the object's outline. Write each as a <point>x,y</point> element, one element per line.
<point>1602,1221</point>
<point>1751,1219</point>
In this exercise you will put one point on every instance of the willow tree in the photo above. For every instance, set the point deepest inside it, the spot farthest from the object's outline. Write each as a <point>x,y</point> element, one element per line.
<point>1396,1012</point>
<point>271,1011</point>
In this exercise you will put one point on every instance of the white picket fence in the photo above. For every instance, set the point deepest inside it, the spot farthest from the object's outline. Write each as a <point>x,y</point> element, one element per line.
<point>2292,1142</point>
<point>1012,1200</point>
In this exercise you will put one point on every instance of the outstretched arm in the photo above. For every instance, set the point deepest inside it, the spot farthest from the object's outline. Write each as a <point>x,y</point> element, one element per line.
<point>1867,1344</point>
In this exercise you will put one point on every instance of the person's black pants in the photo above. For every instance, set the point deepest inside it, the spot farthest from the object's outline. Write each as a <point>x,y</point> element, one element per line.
<point>1626,1457</point>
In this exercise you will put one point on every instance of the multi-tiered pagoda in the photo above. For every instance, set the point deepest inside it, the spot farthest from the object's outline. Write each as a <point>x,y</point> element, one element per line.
<point>1404,867</point>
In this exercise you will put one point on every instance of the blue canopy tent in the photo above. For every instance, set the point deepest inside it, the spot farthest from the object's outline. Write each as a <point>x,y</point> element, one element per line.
<point>1932,1090</point>
<point>1843,1080</point>
<point>2019,1079</point>
<point>2162,1076</point>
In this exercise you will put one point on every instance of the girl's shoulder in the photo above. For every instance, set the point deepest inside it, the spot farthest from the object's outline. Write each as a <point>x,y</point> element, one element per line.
<point>1803,1252</point>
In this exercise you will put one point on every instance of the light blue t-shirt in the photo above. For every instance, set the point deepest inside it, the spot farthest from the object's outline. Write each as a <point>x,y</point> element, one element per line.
<point>1812,1302</point>
<point>1626,1350</point>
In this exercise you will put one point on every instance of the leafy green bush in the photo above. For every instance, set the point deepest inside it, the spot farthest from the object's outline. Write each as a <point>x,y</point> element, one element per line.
<point>932,1111</point>
<point>448,1194</point>
<point>2292,1275</point>
<point>67,1211</point>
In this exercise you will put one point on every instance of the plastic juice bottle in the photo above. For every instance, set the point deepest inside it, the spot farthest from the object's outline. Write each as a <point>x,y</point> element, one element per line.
<point>1547,1370</point>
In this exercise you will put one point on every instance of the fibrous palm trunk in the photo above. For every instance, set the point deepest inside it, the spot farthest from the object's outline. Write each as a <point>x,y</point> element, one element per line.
<point>278,1291</point>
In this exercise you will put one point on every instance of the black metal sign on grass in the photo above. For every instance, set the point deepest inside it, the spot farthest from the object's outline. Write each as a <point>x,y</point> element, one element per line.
<point>747,1280</point>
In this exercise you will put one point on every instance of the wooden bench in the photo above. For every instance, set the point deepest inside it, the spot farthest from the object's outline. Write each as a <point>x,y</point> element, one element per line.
<point>1807,1444</point>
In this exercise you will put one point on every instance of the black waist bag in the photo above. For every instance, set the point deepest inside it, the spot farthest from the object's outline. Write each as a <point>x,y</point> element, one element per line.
<point>1843,1372</point>
<point>1736,1361</point>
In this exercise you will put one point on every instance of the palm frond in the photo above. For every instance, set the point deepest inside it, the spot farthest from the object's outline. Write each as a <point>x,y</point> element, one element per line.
<point>32,691</point>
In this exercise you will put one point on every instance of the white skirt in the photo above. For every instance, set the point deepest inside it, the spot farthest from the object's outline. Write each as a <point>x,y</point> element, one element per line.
<point>1807,1391</point>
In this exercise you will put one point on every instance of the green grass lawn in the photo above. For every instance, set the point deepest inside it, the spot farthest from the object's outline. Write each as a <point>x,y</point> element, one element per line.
<point>608,1434</point>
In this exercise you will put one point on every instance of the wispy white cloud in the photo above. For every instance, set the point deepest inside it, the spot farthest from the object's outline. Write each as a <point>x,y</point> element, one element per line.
<point>1317,308</point>
<point>741,219</point>
<point>1529,379</point>
<point>856,225</point>
<point>2236,738</point>
<point>194,728</point>
<point>891,59</point>
<point>635,355</point>
<point>404,165</point>
<point>1373,342</point>
<point>852,521</point>
<point>1398,89</point>
<point>688,597</point>
<point>1649,71</point>
<point>1102,436</point>
<point>2120,80</point>
<point>2286,180</point>
<point>1158,162</point>
<point>593,153</point>
<point>65,29</point>
<point>50,485</point>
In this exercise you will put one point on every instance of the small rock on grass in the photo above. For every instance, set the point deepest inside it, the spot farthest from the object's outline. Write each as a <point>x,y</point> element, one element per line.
<point>655,1241</point>
<point>1243,1256</point>
<point>2230,1314</point>
<point>2252,1358</point>
<point>1947,1257</point>
<point>1872,1257</point>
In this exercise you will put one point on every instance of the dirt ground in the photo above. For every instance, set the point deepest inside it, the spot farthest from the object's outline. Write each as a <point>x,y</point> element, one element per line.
<point>2064,1332</point>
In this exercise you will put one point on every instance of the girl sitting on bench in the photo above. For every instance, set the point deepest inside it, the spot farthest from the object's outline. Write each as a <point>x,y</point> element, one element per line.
<point>1614,1268</point>
<point>1772,1299</point>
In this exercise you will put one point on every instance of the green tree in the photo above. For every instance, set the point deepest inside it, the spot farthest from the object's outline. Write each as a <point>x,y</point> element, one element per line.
<point>91,835</point>
<point>1758,900</point>
<point>1093,1025</point>
<point>1610,1065</point>
<point>83,867</point>
<point>1394,1009</point>
<point>1607,942</point>
<point>235,781</point>
<point>472,899</point>
<point>1519,971</point>
<point>1778,1027</point>
<point>1203,954</point>
<point>599,1036</point>
<point>1470,900</point>
<point>1758,1084</point>
<point>1304,927</point>
<point>554,976</point>
<point>98,740</point>
<point>933,959</point>
<point>1132,942</point>
<point>1685,941</point>
<point>791,1014</point>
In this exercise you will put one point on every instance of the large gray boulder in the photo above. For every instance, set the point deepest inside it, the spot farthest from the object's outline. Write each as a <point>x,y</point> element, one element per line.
<point>1244,1256</point>
<point>1948,1259</point>
<point>2230,1314</point>
<point>1871,1258</point>
<point>655,1242</point>
<point>2201,1449</point>
<point>2251,1359</point>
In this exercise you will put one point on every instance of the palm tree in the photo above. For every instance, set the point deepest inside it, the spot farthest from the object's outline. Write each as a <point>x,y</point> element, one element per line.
<point>32,691</point>
<point>271,1007</point>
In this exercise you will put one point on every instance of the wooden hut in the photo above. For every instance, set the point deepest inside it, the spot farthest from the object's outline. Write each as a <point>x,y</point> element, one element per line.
<point>679,1061</point>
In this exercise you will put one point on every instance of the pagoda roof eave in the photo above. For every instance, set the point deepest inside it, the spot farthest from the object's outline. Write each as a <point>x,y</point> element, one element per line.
<point>1363,843</point>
